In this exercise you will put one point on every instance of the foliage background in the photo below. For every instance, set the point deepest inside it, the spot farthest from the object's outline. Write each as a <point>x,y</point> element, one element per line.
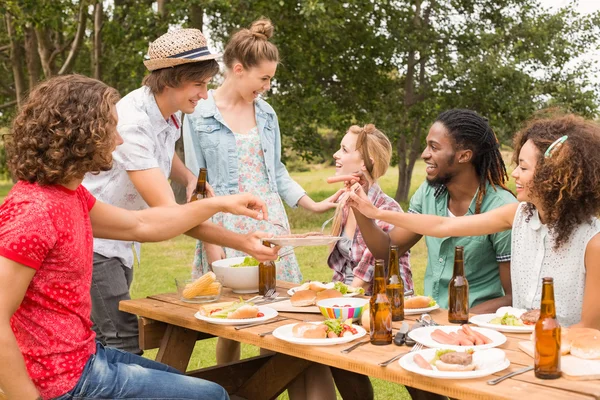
<point>393,63</point>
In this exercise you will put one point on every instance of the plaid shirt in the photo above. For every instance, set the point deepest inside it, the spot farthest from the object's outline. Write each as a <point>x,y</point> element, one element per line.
<point>361,259</point>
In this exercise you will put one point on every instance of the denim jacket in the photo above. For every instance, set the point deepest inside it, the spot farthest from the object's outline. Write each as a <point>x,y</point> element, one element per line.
<point>210,143</point>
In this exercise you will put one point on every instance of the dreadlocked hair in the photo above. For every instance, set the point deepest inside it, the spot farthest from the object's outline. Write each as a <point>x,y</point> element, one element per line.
<point>566,181</point>
<point>471,131</point>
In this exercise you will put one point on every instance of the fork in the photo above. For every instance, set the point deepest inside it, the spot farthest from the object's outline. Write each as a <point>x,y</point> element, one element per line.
<point>349,349</point>
<point>416,347</point>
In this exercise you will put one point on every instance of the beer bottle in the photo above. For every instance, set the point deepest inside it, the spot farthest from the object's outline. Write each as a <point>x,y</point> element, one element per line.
<point>547,335</point>
<point>380,309</point>
<point>266,275</point>
<point>395,285</point>
<point>200,192</point>
<point>458,291</point>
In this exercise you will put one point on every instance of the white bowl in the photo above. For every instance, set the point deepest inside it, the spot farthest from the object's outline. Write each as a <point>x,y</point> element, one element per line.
<point>239,279</point>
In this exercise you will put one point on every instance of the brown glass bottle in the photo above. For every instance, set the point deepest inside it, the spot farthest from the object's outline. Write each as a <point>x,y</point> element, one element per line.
<point>380,309</point>
<point>458,291</point>
<point>547,335</point>
<point>266,275</point>
<point>200,192</point>
<point>395,285</point>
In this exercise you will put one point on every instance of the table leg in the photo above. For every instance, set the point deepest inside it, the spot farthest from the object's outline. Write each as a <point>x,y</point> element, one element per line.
<point>273,377</point>
<point>176,347</point>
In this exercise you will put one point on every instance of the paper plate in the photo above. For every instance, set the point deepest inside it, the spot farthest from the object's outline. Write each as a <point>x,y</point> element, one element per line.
<point>423,336</point>
<point>488,362</point>
<point>285,333</point>
<point>269,313</point>
<point>416,311</point>
<point>307,241</point>
<point>483,320</point>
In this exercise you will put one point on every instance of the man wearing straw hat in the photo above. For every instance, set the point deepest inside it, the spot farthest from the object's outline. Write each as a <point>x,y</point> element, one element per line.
<point>181,67</point>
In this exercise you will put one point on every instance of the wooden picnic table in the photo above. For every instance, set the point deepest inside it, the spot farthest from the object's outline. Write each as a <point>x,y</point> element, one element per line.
<point>169,324</point>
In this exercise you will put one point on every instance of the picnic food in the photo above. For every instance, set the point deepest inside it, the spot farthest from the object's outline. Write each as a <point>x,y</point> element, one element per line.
<point>421,362</point>
<point>530,317</point>
<point>586,346</point>
<point>455,361</point>
<point>237,310</point>
<point>419,302</point>
<point>248,262</point>
<point>345,289</point>
<point>365,318</point>
<point>197,287</point>
<point>508,320</point>
<point>317,286</point>
<point>310,331</point>
<point>465,336</point>
<point>328,294</point>
<point>303,298</point>
<point>331,328</point>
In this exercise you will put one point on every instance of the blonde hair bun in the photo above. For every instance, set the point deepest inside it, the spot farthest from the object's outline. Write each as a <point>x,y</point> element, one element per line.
<point>262,29</point>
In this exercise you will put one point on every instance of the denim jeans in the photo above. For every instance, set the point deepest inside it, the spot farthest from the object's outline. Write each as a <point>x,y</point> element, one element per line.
<point>116,374</point>
<point>111,280</point>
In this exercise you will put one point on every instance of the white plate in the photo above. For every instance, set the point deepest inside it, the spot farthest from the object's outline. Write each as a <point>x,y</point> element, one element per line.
<point>269,313</point>
<point>307,241</point>
<point>295,289</point>
<point>423,336</point>
<point>488,362</point>
<point>483,320</point>
<point>416,311</point>
<point>285,333</point>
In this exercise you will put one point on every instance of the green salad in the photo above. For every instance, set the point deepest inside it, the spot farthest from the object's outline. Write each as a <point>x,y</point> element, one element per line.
<point>344,289</point>
<point>507,319</point>
<point>248,262</point>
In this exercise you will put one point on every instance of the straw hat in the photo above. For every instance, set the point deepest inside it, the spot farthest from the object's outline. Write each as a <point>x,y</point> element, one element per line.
<point>178,47</point>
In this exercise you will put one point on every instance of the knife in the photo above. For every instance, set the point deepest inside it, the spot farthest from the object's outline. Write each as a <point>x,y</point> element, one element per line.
<point>400,337</point>
<point>408,341</point>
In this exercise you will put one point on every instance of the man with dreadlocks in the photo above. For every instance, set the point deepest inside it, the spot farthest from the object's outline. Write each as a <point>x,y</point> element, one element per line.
<point>465,176</point>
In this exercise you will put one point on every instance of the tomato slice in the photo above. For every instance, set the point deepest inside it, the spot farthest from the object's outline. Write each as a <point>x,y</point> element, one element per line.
<point>258,315</point>
<point>215,310</point>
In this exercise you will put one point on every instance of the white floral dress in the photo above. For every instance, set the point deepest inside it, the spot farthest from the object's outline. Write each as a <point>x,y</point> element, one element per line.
<point>253,179</point>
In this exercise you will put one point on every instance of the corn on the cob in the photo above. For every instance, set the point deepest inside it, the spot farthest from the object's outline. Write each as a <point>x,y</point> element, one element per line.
<point>198,285</point>
<point>211,290</point>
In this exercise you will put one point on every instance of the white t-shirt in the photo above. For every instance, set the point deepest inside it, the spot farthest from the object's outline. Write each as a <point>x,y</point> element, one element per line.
<point>534,257</point>
<point>149,142</point>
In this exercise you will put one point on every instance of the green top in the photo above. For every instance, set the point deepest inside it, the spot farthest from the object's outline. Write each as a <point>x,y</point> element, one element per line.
<point>481,255</point>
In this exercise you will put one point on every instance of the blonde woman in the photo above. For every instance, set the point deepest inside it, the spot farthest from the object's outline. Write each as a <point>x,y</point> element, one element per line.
<point>235,135</point>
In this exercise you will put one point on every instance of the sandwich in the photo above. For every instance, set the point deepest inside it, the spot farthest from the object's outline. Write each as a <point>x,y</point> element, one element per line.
<point>419,302</point>
<point>303,298</point>
<point>450,360</point>
<point>310,331</point>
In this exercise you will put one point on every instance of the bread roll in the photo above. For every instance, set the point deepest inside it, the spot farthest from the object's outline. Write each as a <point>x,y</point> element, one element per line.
<point>586,346</point>
<point>328,294</point>
<point>245,311</point>
<point>442,366</point>
<point>365,318</point>
<point>417,302</point>
<point>317,286</point>
<point>303,298</point>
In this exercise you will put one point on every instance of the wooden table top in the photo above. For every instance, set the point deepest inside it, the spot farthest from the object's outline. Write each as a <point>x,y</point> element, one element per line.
<point>169,309</point>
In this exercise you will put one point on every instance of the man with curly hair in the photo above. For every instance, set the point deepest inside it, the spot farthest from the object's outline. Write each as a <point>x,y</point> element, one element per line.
<point>555,229</point>
<point>65,129</point>
<point>181,66</point>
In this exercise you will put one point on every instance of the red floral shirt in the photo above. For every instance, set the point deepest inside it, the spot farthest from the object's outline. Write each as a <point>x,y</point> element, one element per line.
<point>362,260</point>
<point>48,228</point>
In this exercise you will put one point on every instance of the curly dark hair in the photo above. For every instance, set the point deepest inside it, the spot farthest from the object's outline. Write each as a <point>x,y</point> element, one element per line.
<point>65,129</point>
<point>472,131</point>
<point>566,182</point>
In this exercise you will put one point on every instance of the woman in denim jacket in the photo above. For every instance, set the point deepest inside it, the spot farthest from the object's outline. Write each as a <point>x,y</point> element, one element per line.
<point>235,135</point>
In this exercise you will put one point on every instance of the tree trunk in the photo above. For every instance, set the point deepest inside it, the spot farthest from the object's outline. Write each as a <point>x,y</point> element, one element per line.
<point>196,17</point>
<point>32,56</point>
<point>72,56</point>
<point>402,168</point>
<point>16,58</point>
<point>44,51</point>
<point>161,9</point>
<point>97,54</point>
